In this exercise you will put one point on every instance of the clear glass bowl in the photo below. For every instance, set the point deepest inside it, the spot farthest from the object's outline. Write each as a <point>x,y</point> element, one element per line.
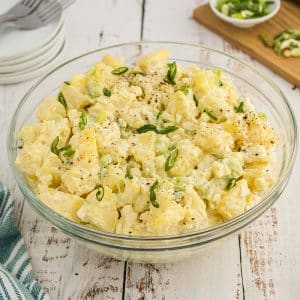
<point>266,97</point>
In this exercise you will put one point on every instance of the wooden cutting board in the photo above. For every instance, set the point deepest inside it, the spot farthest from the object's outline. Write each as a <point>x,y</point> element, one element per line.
<point>247,38</point>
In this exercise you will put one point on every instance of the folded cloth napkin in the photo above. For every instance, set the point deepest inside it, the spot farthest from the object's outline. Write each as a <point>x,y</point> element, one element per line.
<point>16,277</point>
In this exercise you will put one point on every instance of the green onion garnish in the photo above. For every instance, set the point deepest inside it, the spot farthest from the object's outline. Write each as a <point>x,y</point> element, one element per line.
<point>20,144</point>
<point>286,42</point>
<point>100,193</point>
<point>240,108</point>
<point>195,100</point>
<point>54,148</point>
<point>143,92</point>
<point>218,156</point>
<point>167,130</point>
<point>243,9</point>
<point>83,121</point>
<point>146,128</point>
<point>67,82</point>
<point>179,184</point>
<point>128,176</point>
<point>67,151</point>
<point>218,73</point>
<point>119,71</point>
<point>61,99</point>
<point>171,160</point>
<point>153,194</point>
<point>137,72</point>
<point>264,40</point>
<point>151,127</point>
<point>106,92</point>
<point>170,77</point>
<point>231,183</point>
<point>210,114</point>
<point>158,116</point>
<point>185,89</point>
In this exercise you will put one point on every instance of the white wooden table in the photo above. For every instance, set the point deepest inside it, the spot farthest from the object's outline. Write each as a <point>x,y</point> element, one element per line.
<point>262,263</point>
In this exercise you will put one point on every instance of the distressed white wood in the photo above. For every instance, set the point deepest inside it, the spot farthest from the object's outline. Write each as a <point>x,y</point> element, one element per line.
<point>65,268</point>
<point>214,274</point>
<point>175,23</point>
<point>270,247</point>
<point>91,24</point>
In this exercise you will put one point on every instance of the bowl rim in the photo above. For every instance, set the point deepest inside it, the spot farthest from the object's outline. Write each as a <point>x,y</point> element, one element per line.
<point>264,203</point>
<point>277,5</point>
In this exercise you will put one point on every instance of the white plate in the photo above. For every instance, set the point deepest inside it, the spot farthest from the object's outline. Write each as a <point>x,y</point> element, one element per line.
<point>33,54</point>
<point>36,61</point>
<point>35,66</point>
<point>32,73</point>
<point>31,40</point>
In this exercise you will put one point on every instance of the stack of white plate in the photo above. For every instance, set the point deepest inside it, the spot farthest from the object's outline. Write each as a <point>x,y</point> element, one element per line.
<point>26,54</point>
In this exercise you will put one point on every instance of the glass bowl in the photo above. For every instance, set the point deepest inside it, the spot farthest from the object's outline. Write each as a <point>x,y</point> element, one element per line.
<point>265,96</point>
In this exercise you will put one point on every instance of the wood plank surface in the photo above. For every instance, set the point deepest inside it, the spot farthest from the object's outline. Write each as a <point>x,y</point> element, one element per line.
<point>194,278</point>
<point>247,38</point>
<point>262,263</point>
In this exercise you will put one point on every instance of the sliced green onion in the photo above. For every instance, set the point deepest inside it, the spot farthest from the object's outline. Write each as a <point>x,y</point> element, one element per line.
<point>218,156</point>
<point>83,121</point>
<point>244,9</point>
<point>151,127</point>
<point>53,147</point>
<point>218,73</point>
<point>153,194</point>
<point>137,72</point>
<point>146,128</point>
<point>264,40</point>
<point>210,114</point>
<point>67,82</point>
<point>167,130</point>
<point>20,144</point>
<point>106,92</point>
<point>67,151</point>
<point>61,99</point>
<point>286,43</point>
<point>158,116</point>
<point>170,77</point>
<point>195,100</point>
<point>119,71</point>
<point>128,176</point>
<point>178,184</point>
<point>185,89</point>
<point>240,108</point>
<point>143,92</point>
<point>231,183</point>
<point>100,193</point>
<point>102,172</point>
<point>171,160</point>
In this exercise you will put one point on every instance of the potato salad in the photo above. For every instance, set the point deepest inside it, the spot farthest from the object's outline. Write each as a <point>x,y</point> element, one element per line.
<point>151,149</point>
